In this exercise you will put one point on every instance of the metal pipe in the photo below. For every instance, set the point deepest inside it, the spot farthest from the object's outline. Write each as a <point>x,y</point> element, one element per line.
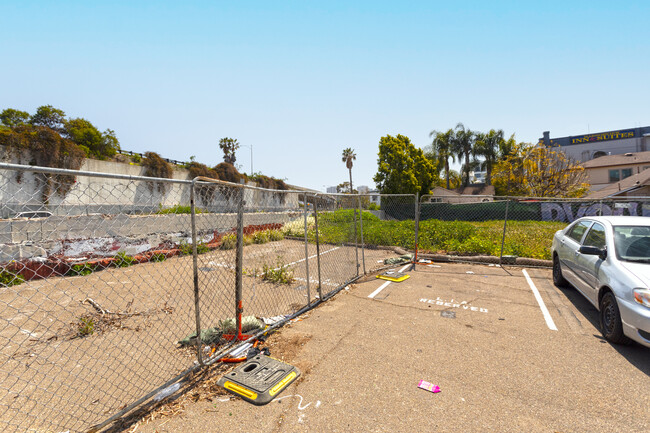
<point>239,262</point>
<point>306,248</point>
<point>503,238</point>
<point>195,270</point>
<point>320,286</point>
<point>417,226</point>
<point>363,246</point>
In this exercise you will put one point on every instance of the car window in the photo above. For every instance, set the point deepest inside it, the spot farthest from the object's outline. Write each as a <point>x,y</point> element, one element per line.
<point>632,243</point>
<point>596,236</point>
<point>578,230</point>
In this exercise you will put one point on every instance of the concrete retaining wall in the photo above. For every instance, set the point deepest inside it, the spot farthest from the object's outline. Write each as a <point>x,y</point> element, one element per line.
<point>88,195</point>
<point>40,237</point>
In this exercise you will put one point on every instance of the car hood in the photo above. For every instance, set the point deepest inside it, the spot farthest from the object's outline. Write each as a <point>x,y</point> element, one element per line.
<point>640,270</point>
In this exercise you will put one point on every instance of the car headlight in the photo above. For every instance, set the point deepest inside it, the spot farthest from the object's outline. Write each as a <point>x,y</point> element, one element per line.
<point>642,296</point>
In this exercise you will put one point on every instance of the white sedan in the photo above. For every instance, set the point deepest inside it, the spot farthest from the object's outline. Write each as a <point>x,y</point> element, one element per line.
<point>607,259</point>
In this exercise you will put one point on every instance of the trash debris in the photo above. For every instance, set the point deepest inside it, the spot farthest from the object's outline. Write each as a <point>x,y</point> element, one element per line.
<point>448,314</point>
<point>469,272</point>
<point>213,335</point>
<point>428,386</point>
<point>208,336</point>
<point>273,320</point>
<point>166,392</point>
<point>248,323</point>
<point>394,276</point>
<point>397,260</point>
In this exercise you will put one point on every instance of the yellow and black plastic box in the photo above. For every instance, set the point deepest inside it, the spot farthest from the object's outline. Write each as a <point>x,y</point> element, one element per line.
<point>260,379</point>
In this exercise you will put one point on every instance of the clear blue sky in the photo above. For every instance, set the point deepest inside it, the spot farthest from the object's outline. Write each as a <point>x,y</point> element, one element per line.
<point>302,80</point>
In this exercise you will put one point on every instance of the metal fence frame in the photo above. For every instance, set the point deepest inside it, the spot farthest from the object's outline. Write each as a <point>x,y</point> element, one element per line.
<point>330,231</point>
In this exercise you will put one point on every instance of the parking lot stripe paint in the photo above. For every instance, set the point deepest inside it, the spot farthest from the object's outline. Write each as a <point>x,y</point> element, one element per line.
<point>311,257</point>
<point>383,286</point>
<point>542,306</point>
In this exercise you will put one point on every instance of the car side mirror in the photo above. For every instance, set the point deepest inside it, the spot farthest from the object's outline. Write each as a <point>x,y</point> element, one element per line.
<point>593,251</point>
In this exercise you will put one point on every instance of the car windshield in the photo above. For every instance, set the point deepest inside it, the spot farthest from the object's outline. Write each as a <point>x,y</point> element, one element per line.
<point>632,243</point>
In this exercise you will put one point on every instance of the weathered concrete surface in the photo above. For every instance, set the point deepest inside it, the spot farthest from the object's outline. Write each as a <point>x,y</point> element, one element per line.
<point>499,365</point>
<point>21,239</point>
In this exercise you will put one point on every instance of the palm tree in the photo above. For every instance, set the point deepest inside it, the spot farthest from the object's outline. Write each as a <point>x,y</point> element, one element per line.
<point>463,146</point>
<point>442,142</point>
<point>488,146</point>
<point>347,157</point>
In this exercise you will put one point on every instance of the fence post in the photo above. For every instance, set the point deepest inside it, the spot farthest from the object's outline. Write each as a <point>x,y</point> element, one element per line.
<point>356,245</point>
<point>363,246</point>
<point>306,248</point>
<point>195,270</point>
<point>417,227</point>
<point>503,238</point>
<point>239,262</point>
<point>320,287</point>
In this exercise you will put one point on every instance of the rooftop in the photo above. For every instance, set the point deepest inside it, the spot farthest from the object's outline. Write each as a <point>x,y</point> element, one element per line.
<point>624,159</point>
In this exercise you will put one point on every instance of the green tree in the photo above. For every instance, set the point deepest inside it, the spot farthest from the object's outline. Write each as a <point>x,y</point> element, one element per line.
<point>229,146</point>
<point>344,188</point>
<point>12,118</point>
<point>463,146</point>
<point>488,145</point>
<point>442,148</point>
<point>348,156</point>
<point>85,134</point>
<point>403,168</point>
<point>50,117</point>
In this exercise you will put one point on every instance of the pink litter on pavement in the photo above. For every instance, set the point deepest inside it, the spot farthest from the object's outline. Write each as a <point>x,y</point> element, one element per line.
<point>428,386</point>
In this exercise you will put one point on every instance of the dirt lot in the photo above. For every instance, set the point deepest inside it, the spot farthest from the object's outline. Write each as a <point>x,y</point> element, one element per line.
<point>65,365</point>
<point>475,331</point>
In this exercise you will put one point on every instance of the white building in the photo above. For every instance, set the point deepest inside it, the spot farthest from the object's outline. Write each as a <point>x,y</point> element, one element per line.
<point>583,148</point>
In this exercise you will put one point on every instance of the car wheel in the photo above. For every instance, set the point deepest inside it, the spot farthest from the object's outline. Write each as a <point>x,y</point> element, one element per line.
<point>558,279</point>
<point>610,320</point>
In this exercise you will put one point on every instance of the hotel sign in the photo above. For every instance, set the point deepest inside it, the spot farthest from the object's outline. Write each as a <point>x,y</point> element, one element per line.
<point>603,136</point>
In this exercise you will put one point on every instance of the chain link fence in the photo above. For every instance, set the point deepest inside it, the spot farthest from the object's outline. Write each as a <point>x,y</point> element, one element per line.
<point>506,230</point>
<point>113,288</point>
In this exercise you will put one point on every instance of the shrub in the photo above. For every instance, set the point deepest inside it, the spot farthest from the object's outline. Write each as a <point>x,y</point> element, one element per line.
<point>81,269</point>
<point>279,274</point>
<point>269,182</point>
<point>8,279</point>
<point>228,172</point>
<point>228,242</point>
<point>85,326</point>
<point>179,209</point>
<point>186,248</point>
<point>261,237</point>
<point>275,235</point>
<point>158,257</point>
<point>156,166</point>
<point>122,260</point>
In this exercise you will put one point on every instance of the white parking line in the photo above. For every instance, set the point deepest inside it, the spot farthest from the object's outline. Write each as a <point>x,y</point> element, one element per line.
<point>310,257</point>
<point>383,286</point>
<point>542,306</point>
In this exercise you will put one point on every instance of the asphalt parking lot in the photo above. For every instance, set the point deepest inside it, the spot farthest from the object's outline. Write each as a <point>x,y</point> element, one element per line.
<point>479,332</point>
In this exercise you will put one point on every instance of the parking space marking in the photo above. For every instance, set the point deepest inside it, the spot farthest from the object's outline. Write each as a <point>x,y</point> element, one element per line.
<point>310,257</point>
<point>540,301</point>
<point>383,286</point>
